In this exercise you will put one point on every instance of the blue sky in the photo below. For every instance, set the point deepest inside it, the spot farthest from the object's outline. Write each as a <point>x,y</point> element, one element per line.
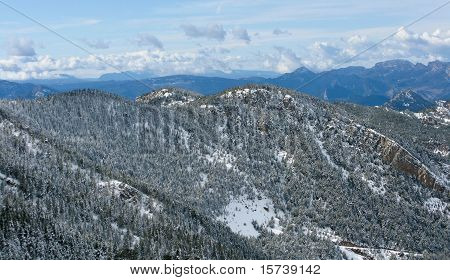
<point>180,37</point>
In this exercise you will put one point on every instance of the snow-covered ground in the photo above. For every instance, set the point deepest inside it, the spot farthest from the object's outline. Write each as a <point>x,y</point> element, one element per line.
<point>441,114</point>
<point>241,211</point>
<point>434,204</point>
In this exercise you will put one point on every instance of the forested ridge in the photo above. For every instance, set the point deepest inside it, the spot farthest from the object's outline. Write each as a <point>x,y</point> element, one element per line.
<point>254,172</point>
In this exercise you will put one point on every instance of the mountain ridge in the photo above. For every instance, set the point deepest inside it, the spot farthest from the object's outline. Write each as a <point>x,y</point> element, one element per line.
<point>268,167</point>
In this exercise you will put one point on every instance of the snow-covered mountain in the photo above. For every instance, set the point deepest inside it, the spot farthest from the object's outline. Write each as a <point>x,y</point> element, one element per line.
<point>251,172</point>
<point>408,100</point>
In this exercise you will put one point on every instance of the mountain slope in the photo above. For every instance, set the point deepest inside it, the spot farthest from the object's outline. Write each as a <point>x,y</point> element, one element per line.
<point>262,172</point>
<point>408,100</point>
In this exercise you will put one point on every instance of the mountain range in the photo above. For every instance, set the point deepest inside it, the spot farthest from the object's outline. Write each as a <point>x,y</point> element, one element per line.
<point>366,86</point>
<point>250,172</point>
<point>10,90</point>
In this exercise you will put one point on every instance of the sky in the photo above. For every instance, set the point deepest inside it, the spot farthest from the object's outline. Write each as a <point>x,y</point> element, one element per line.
<point>197,37</point>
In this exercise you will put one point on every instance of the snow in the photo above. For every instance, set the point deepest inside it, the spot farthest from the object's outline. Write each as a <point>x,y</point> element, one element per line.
<point>441,152</point>
<point>441,114</point>
<point>167,94</point>
<point>242,211</point>
<point>222,157</point>
<point>377,189</point>
<point>324,152</point>
<point>328,158</point>
<point>281,155</point>
<point>351,251</point>
<point>184,135</point>
<point>203,106</point>
<point>116,186</point>
<point>240,93</point>
<point>30,142</point>
<point>349,254</point>
<point>434,204</point>
<point>323,233</point>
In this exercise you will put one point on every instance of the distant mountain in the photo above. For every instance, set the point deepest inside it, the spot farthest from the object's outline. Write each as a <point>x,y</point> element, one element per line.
<point>242,74</point>
<point>132,89</point>
<point>372,86</point>
<point>252,172</point>
<point>126,76</point>
<point>58,80</point>
<point>11,90</point>
<point>408,100</point>
<point>366,86</point>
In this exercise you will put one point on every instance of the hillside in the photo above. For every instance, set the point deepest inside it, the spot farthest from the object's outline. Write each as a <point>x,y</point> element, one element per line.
<point>251,172</point>
<point>408,100</point>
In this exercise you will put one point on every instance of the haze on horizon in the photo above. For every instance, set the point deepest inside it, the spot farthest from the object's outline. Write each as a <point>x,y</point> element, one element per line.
<point>197,37</point>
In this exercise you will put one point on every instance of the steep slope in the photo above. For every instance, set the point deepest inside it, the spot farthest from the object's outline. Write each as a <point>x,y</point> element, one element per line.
<point>57,204</point>
<point>290,175</point>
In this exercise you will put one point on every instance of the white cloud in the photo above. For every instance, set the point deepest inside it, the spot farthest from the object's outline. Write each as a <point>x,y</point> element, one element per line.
<point>160,62</point>
<point>144,40</point>
<point>417,47</point>
<point>214,31</point>
<point>99,44</point>
<point>20,47</point>
<point>320,55</point>
<point>284,60</point>
<point>241,34</point>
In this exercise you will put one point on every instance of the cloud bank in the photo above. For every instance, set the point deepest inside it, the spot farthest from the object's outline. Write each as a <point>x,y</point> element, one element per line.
<point>24,63</point>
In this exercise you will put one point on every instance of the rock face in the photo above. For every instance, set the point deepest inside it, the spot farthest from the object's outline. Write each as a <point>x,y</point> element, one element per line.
<point>401,159</point>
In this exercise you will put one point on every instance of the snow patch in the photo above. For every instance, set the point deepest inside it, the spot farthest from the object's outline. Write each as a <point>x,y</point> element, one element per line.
<point>434,204</point>
<point>242,212</point>
<point>441,151</point>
